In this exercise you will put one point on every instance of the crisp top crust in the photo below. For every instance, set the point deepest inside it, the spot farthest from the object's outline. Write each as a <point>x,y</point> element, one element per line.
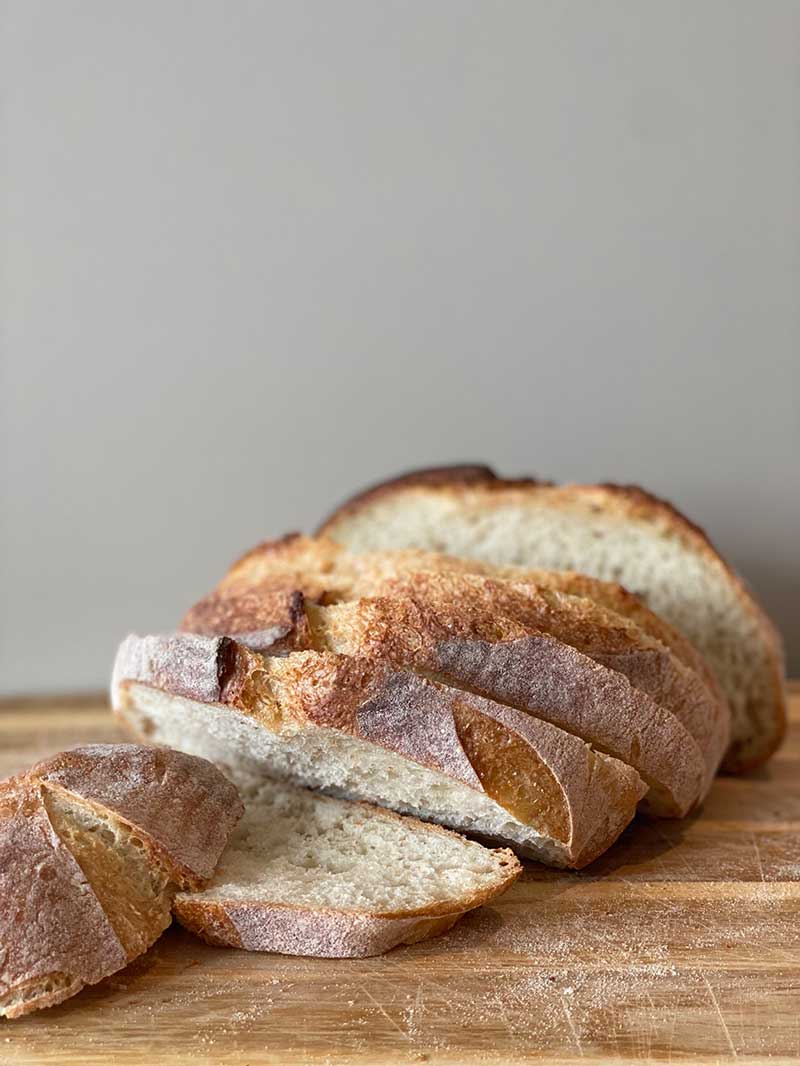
<point>249,602</point>
<point>263,616</point>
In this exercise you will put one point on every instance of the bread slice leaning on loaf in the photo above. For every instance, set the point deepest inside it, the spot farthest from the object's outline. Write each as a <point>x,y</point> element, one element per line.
<point>323,567</point>
<point>305,874</point>
<point>94,843</point>
<point>361,729</point>
<point>564,658</point>
<point>612,532</point>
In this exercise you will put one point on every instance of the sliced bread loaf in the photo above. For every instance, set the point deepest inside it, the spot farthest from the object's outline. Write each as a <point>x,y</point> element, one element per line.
<point>564,658</point>
<point>612,532</point>
<point>94,844</point>
<point>305,874</point>
<point>361,729</point>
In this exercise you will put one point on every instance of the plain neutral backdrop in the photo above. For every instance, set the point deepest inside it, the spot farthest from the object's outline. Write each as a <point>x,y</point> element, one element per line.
<point>256,255</point>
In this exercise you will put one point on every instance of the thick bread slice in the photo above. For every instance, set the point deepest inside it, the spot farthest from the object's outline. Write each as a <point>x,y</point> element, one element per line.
<point>361,729</point>
<point>305,874</point>
<point>534,649</point>
<point>93,845</point>
<point>613,532</point>
<point>321,567</point>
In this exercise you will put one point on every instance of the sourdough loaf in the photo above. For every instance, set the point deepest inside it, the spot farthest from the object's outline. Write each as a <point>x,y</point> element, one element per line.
<point>564,658</point>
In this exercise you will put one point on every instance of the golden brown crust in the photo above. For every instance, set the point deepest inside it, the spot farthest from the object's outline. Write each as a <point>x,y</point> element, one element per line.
<point>442,625</point>
<point>605,636</point>
<point>264,616</point>
<point>615,598</point>
<point>327,572</point>
<point>528,669</point>
<point>606,605</point>
<point>286,547</point>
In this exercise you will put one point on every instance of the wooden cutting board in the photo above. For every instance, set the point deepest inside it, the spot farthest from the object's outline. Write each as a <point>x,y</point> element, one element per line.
<point>682,943</point>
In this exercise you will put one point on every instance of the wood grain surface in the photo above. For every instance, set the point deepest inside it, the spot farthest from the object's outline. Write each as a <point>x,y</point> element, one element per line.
<point>682,943</point>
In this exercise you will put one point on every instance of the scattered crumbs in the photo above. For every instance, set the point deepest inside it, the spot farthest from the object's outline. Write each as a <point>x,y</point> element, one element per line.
<point>552,976</point>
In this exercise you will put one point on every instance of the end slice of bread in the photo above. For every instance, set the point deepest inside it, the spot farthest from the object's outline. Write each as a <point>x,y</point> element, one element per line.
<point>94,843</point>
<point>323,568</point>
<point>613,532</point>
<point>305,874</point>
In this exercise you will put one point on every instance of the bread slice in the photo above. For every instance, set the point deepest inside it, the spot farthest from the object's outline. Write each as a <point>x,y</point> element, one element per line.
<point>322,567</point>
<point>360,729</point>
<point>613,532</point>
<point>564,658</point>
<point>305,874</point>
<point>94,843</point>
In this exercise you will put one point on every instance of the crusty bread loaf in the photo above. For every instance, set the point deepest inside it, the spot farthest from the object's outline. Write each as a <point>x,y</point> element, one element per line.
<point>305,874</point>
<point>94,843</point>
<point>611,532</point>
<point>361,729</point>
<point>562,657</point>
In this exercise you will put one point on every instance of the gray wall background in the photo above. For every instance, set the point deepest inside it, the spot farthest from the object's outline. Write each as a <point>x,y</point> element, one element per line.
<point>259,254</point>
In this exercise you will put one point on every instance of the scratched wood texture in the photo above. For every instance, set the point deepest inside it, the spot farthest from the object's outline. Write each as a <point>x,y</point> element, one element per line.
<point>682,943</point>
